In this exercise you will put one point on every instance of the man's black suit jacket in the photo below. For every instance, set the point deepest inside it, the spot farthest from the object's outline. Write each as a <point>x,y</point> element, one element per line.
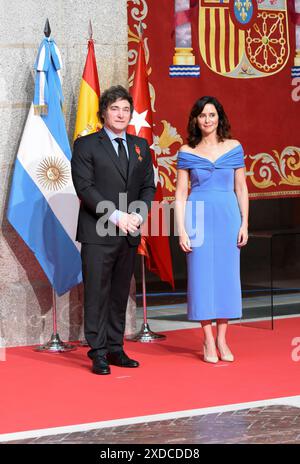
<point>97,176</point>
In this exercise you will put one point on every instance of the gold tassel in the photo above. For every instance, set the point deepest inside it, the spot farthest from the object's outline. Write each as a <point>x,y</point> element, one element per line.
<point>40,110</point>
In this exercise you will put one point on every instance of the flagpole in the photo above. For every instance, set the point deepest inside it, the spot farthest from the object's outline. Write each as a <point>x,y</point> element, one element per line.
<point>90,33</point>
<point>142,102</point>
<point>55,345</point>
<point>146,335</point>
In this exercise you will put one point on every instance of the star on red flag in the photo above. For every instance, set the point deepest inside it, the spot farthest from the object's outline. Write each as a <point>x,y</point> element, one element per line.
<point>156,249</point>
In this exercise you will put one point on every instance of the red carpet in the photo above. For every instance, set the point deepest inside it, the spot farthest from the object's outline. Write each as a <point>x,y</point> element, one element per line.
<point>40,390</point>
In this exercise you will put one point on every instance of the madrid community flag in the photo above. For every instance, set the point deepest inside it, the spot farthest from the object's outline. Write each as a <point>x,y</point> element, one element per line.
<point>155,248</point>
<point>88,103</point>
<point>43,205</point>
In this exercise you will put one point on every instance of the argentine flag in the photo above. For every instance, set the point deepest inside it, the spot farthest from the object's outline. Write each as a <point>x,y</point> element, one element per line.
<point>43,205</point>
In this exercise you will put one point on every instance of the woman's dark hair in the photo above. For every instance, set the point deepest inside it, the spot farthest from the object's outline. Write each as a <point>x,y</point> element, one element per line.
<point>111,95</point>
<point>194,133</point>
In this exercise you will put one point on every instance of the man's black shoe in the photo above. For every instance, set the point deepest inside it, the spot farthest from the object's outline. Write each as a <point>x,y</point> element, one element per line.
<point>100,366</point>
<point>121,359</point>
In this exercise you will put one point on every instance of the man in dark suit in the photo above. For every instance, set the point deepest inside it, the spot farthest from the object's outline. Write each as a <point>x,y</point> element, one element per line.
<point>109,167</point>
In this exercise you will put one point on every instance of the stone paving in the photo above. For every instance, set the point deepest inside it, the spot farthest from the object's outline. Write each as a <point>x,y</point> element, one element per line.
<point>264,425</point>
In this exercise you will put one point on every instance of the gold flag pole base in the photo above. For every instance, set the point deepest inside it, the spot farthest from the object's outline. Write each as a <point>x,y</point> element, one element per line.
<point>183,56</point>
<point>184,64</point>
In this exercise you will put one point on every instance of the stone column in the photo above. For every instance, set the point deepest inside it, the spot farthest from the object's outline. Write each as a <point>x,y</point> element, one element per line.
<point>296,67</point>
<point>183,37</point>
<point>297,57</point>
<point>183,59</point>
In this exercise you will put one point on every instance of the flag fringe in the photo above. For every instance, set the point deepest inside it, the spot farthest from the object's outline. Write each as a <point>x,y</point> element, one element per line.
<point>40,110</point>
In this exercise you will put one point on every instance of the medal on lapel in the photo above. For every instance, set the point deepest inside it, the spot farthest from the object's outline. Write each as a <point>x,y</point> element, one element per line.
<point>138,152</point>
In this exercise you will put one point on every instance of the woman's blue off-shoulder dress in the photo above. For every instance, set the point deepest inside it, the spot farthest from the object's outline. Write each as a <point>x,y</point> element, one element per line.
<point>213,220</point>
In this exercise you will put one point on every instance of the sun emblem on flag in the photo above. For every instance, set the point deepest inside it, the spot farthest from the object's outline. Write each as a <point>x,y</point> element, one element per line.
<point>53,173</point>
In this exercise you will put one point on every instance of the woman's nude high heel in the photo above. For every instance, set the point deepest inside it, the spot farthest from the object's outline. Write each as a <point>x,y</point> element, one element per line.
<point>209,359</point>
<point>226,357</point>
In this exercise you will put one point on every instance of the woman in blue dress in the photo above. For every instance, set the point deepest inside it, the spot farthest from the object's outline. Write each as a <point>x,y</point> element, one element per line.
<point>212,222</point>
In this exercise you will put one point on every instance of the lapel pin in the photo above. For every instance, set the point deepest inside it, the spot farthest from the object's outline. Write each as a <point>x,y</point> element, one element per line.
<point>138,152</point>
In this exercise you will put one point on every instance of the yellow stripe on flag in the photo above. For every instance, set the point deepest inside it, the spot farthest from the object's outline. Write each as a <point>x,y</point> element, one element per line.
<point>241,44</point>
<point>212,38</point>
<point>232,45</point>
<point>88,107</point>
<point>202,33</point>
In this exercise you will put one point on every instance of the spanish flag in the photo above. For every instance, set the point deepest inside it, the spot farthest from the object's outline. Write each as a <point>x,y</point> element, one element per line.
<point>88,103</point>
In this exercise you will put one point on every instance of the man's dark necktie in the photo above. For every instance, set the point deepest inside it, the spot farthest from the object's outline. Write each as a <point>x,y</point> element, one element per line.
<point>122,156</point>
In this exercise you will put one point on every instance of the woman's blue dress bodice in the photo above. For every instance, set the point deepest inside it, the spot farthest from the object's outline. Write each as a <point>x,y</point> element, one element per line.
<point>207,175</point>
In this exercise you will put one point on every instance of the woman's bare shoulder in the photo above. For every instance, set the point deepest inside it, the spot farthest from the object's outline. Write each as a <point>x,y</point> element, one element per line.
<point>232,143</point>
<point>185,148</point>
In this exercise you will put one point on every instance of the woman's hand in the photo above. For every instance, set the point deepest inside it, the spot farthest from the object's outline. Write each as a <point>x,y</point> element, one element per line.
<point>243,236</point>
<point>184,242</point>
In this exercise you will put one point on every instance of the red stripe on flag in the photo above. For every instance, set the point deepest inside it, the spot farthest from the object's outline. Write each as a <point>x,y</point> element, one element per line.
<point>90,74</point>
<point>236,46</point>
<point>207,36</point>
<point>217,39</point>
<point>156,248</point>
<point>226,40</point>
